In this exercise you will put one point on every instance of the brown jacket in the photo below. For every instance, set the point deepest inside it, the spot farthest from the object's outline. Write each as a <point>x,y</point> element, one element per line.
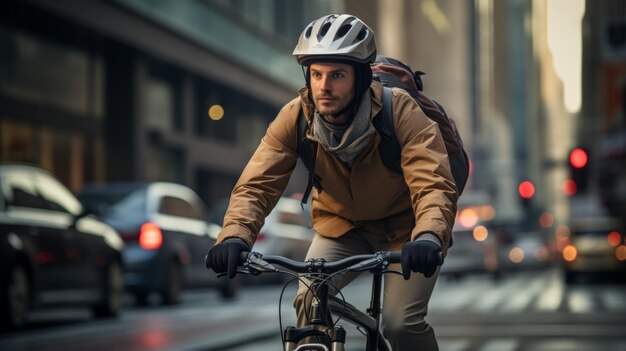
<point>365,196</point>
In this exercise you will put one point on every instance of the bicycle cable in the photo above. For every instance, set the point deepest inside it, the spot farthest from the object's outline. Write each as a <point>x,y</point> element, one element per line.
<point>280,302</point>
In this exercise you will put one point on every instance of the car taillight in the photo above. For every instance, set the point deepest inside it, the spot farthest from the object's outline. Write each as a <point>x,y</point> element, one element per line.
<point>620,253</point>
<point>150,236</point>
<point>614,238</point>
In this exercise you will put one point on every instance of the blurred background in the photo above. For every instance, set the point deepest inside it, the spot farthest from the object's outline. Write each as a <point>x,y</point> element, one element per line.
<point>109,91</point>
<point>182,91</point>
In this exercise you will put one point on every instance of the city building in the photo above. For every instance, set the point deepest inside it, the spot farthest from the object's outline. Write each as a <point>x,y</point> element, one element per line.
<point>138,90</point>
<point>602,127</point>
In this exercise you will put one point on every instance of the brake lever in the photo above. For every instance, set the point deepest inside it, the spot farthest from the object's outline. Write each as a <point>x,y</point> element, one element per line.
<point>252,264</point>
<point>241,270</point>
<point>366,265</point>
<point>255,262</point>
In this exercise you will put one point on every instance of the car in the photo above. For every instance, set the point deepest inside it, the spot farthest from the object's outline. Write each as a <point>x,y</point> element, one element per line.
<point>525,250</point>
<point>52,253</point>
<point>474,243</point>
<point>474,250</point>
<point>595,246</point>
<point>286,232</point>
<point>166,237</point>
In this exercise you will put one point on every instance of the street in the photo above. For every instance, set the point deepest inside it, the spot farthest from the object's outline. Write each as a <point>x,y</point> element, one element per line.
<point>137,137</point>
<point>522,311</point>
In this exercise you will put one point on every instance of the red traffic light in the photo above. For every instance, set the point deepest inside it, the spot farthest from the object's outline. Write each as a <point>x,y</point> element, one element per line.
<point>526,189</point>
<point>578,158</point>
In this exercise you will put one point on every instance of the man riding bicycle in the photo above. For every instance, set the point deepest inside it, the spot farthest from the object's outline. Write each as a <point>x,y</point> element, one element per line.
<point>357,206</point>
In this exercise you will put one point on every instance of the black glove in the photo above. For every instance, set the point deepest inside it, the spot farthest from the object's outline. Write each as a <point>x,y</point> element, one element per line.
<point>224,257</point>
<point>420,256</point>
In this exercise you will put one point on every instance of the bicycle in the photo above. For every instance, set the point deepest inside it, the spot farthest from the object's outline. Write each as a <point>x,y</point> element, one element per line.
<point>328,334</point>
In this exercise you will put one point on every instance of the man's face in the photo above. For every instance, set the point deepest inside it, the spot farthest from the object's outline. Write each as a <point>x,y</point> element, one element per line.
<point>332,87</point>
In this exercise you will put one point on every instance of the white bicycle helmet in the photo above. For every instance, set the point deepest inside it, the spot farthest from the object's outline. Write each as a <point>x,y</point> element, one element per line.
<point>336,36</point>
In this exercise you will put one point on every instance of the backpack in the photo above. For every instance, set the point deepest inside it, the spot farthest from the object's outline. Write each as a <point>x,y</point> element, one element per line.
<point>393,73</point>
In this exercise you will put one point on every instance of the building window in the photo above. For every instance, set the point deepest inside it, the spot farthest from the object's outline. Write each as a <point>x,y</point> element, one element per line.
<point>164,163</point>
<point>73,157</point>
<point>162,106</point>
<point>44,73</point>
<point>242,118</point>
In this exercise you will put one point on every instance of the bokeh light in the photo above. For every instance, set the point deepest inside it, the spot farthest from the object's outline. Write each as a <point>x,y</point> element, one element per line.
<point>620,253</point>
<point>570,253</point>
<point>486,213</point>
<point>614,238</point>
<point>516,255</point>
<point>546,220</point>
<point>480,233</point>
<point>569,187</point>
<point>578,158</point>
<point>526,189</point>
<point>563,231</point>
<point>468,217</point>
<point>216,112</point>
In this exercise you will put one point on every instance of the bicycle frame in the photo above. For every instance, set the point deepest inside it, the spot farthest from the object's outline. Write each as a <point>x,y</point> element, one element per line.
<point>323,327</point>
<point>321,323</point>
<point>370,321</point>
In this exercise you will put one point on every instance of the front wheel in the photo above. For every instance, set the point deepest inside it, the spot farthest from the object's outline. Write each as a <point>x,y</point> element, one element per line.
<point>15,299</point>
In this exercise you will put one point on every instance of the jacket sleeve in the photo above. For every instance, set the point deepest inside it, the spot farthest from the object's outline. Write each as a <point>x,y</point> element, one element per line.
<point>426,169</point>
<point>264,178</point>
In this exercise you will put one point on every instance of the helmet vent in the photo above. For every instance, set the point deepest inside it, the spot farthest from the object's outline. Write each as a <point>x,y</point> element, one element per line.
<point>362,35</point>
<point>307,34</point>
<point>323,31</point>
<point>343,30</point>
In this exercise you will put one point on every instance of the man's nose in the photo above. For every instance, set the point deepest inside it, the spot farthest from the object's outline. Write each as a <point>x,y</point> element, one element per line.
<point>324,83</point>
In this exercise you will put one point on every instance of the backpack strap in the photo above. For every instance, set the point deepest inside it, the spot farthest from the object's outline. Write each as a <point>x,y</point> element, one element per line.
<point>307,151</point>
<point>389,148</point>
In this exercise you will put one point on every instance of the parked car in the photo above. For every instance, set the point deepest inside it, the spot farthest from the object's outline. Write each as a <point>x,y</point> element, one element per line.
<point>51,252</point>
<point>596,246</point>
<point>166,235</point>
<point>286,232</point>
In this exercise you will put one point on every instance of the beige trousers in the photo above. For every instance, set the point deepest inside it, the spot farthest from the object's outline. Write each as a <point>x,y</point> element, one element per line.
<point>405,302</point>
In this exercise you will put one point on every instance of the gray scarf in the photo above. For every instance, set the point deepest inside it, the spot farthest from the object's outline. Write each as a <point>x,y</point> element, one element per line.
<point>346,141</point>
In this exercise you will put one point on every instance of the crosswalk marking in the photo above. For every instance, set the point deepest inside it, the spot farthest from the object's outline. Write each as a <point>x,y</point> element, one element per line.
<point>525,296</point>
<point>540,291</point>
<point>500,345</point>
<point>614,300</point>
<point>489,301</point>
<point>580,301</point>
<point>453,298</point>
<point>550,299</point>
<point>454,345</point>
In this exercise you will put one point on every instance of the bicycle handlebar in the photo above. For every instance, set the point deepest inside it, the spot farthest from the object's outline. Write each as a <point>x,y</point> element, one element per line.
<point>353,263</point>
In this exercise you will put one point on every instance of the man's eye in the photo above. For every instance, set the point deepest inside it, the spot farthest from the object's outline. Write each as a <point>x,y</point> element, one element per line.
<point>338,75</point>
